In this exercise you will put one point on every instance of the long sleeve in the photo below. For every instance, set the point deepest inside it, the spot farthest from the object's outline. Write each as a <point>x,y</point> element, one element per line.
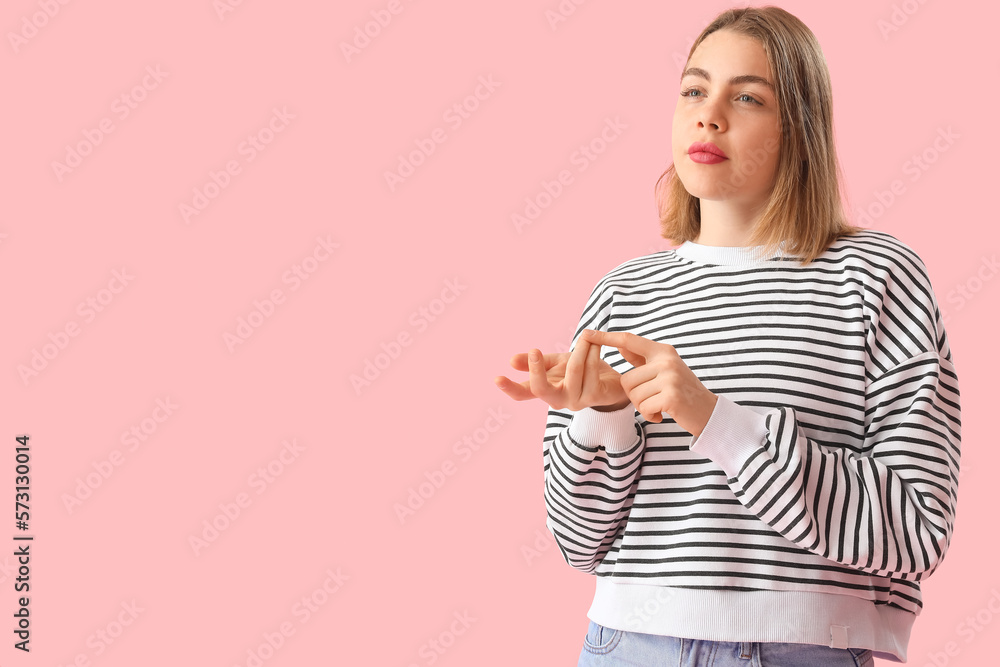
<point>591,462</point>
<point>885,504</point>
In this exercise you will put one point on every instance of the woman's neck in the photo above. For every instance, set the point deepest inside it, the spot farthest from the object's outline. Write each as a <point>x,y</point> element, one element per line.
<point>724,224</point>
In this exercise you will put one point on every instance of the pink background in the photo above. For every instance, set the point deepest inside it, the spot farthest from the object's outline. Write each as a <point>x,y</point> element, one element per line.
<point>477,548</point>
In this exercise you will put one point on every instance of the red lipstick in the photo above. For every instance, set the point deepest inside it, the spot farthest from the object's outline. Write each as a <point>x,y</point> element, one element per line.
<point>706,153</point>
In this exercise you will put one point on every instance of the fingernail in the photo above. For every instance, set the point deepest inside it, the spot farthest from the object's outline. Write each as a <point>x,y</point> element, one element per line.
<point>533,356</point>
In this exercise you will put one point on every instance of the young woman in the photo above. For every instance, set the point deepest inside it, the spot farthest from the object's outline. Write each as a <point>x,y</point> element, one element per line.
<point>754,441</point>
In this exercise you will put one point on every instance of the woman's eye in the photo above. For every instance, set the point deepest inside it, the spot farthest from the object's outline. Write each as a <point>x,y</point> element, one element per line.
<point>749,99</point>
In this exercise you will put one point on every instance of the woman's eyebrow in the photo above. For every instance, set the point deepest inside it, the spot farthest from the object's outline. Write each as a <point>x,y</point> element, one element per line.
<point>735,81</point>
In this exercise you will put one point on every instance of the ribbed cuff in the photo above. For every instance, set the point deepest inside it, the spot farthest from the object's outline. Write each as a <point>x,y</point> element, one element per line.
<point>615,431</point>
<point>733,433</point>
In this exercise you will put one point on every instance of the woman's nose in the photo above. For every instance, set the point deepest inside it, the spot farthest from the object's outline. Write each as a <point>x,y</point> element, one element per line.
<point>710,115</point>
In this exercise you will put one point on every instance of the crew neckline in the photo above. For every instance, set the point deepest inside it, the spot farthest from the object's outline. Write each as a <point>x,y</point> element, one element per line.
<point>728,255</point>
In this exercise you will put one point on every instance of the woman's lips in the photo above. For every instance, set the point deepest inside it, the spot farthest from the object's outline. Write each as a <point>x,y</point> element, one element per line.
<point>706,153</point>
<point>705,158</point>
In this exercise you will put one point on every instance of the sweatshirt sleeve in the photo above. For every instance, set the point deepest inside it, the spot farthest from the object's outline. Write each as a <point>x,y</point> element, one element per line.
<point>886,505</point>
<point>591,462</point>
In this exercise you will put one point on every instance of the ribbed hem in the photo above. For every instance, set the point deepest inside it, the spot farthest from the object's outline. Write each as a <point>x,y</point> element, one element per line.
<point>798,617</point>
<point>733,433</point>
<point>727,255</point>
<point>615,431</point>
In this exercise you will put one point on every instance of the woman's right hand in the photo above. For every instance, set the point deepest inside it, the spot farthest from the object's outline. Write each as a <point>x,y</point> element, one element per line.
<point>567,380</point>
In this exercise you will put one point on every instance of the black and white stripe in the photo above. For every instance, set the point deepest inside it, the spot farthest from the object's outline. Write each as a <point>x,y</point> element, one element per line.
<point>853,490</point>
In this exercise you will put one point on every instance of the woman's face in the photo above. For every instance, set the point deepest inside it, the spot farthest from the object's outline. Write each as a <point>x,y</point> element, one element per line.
<point>740,117</point>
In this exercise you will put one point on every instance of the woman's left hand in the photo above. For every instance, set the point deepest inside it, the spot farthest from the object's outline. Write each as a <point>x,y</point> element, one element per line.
<point>660,380</point>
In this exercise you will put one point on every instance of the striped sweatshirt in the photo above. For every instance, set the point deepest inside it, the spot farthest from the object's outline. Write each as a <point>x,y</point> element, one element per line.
<point>823,487</point>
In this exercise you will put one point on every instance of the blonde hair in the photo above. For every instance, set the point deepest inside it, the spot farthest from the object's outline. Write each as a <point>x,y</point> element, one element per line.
<point>804,209</point>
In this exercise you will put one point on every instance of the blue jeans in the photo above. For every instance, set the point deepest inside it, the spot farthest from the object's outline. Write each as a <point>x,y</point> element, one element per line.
<point>607,647</point>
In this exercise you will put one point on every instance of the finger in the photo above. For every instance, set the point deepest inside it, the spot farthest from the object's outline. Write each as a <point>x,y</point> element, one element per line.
<point>632,347</point>
<point>650,412</point>
<point>645,396</point>
<point>643,393</point>
<point>619,339</point>
<point>638,375</point>
<point>593,366</point>
<point>516,390</point>
<point>538,381</point>
<point>575,370</point>
<point>594,357</point>
<point>519,362</point>
<point>634,359</point>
